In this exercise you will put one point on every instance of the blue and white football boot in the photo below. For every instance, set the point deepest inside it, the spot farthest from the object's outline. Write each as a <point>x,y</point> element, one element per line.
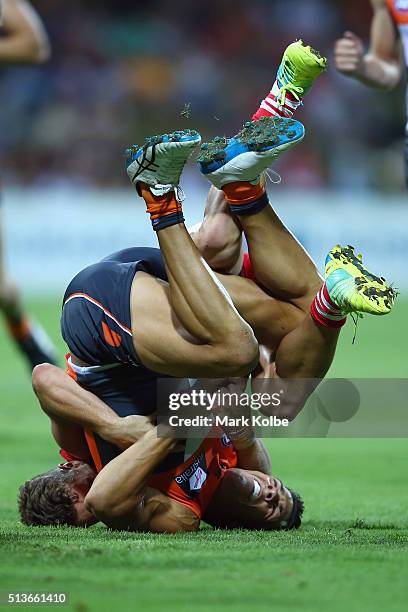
<point>248,154</point>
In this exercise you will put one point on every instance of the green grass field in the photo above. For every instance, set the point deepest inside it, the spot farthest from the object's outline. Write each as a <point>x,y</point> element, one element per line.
<point>351,554</point>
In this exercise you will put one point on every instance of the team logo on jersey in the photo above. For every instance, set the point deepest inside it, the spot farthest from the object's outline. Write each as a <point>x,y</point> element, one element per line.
<point>401,5</point>
<point>197,480</point>
<point>193,477</point>
<point>225,441</point>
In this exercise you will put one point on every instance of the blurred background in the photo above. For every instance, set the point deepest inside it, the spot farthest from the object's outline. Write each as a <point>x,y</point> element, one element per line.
<point>123,70</point>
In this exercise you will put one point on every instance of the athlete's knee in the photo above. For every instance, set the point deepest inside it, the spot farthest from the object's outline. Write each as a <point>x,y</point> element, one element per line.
<point>291,410</point>
<point>43,377</point>
<point>219,241</point>
<point>248,356</point>
<point>40,375</point>
<point>238,356</point>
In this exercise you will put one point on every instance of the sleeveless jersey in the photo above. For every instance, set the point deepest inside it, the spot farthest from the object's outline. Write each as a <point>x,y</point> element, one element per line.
<point>399,12</point>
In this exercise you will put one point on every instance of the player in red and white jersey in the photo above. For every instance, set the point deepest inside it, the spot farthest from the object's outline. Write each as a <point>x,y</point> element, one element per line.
<point>383,64</point>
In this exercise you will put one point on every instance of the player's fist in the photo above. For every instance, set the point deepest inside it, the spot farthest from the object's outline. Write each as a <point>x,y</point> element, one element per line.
<point>125,431</point>
<point>349,54</point>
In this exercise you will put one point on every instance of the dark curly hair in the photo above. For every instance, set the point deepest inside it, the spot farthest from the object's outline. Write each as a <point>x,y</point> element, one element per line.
<point>46,500</point>
<point>295,519</point>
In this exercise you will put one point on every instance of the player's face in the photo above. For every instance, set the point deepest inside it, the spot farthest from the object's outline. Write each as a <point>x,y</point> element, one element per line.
<point>250,499</point>
<point>79,477</point>
<point>264,501</point>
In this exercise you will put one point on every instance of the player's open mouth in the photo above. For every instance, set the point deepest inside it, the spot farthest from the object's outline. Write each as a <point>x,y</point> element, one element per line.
<point>256,493</point>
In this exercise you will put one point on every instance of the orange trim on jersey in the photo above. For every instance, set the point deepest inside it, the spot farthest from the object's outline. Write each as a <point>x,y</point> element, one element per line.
<point>111,337</point>
<point>99,305</point>
<point>93,449</point>
<point>89,437</point>
<point>70,370</point>
<point>400,16</point>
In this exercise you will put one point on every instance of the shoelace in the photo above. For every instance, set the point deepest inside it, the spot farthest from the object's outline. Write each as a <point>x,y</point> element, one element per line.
<point>288,74</point>
<point>180,195</point>
<point>295,90</point>
<point>355,317</point>
<point>160,189</point>
<point>270,172</point>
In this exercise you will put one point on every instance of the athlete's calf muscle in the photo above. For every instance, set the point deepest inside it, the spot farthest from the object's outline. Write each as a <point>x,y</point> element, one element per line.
<point>219,237</point>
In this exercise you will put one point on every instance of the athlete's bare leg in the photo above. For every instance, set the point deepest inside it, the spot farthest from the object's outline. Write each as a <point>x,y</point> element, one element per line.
<point>285,269</point>
<point>195,324</point>
<point>190,326</point>
<point>280,263</point>
<point>34,346</point>
<point>219,236</point>
<point>23,41</point>
<point>304,349</point>
<point>9,298</point>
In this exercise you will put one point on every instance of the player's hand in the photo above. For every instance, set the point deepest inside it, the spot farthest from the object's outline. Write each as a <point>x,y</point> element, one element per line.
<point>238,428</point>
<point>125,431</point>
<point>349,55</point>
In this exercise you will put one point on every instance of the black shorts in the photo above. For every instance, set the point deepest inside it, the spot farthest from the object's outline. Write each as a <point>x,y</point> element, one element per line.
<point>96,321</point>
<point>96,325</point>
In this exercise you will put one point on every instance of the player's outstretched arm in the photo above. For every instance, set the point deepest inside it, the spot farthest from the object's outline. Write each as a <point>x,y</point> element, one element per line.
<point>66,403</point>
<point>25,40</point>
<point>118,494</point>
<point>71,409</point>
<point>382,65</point>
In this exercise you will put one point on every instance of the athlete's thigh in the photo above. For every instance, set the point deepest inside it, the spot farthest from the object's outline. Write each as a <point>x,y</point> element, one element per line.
<point>270,318</point>
<point>160,341</point>
<point>219,237</point>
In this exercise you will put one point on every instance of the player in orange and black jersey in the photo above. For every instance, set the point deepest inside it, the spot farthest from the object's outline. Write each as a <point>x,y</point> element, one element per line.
<point>228,485</point>
<point>383,65</point>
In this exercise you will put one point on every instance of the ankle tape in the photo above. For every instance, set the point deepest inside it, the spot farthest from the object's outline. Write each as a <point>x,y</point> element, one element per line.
<point>244,198</point>
<point>164,210</point>
<point>251,208</point>
<point>167,220</point>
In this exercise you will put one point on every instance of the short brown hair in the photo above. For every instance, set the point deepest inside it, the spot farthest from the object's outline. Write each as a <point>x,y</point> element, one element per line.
<point>46,500</point>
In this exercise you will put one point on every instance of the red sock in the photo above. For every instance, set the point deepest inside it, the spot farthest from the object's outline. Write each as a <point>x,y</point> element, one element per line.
<point>270,106</point>
<point>325,312</point>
